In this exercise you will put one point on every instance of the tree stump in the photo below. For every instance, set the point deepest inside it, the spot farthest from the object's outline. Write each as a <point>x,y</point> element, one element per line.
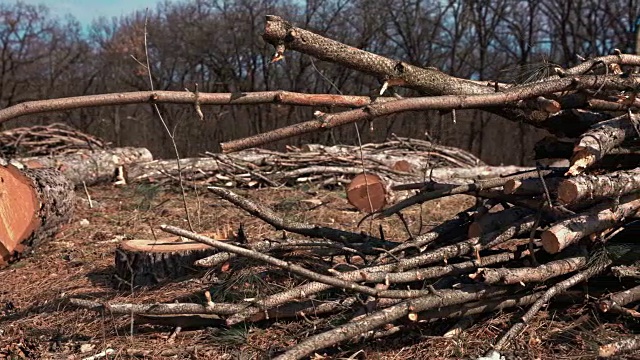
<point>34,203</point>
<point>147,262</point>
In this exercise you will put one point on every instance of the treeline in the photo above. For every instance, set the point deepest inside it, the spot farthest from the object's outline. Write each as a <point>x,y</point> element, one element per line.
<point>217,45</point>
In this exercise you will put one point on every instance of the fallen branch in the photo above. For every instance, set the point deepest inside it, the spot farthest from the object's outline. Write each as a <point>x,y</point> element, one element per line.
<point>159,309</point>
<point>544,272</point>
<point>384,316</point>
<point>90,166</point>
<point>270,217</point>
<point>187,98</point>
<point>618,300</point>
<point>481,185</point>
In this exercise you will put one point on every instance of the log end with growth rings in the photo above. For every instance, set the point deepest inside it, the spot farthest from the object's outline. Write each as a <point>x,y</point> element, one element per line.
<point>567,192</point>
<point>19,207</point>
<point>367,193</point>
<point>551,242</point>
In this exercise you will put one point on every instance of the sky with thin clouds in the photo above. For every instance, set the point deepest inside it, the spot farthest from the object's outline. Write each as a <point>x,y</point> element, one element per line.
<point>87,10</point>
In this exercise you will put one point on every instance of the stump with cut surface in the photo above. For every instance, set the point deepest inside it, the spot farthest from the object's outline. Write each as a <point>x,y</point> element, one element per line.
<point>34,203</point>
<point>147,262</point>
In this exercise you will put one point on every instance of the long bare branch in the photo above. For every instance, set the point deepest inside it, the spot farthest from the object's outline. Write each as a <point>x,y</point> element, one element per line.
<point>183,97</point>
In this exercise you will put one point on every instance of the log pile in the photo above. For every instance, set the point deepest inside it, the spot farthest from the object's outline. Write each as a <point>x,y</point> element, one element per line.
<point>536,234</point>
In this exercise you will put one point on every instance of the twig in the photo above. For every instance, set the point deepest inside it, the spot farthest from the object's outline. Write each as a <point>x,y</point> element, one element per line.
<point>169,133</point>
<point>86,191</point>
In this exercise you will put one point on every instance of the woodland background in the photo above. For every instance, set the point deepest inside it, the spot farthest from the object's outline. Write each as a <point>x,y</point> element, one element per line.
<point>217,44</point>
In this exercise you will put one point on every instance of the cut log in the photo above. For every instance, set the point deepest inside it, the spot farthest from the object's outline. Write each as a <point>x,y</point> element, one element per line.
<point>532,186</point>
<point>494,221</point>
<point>601,140</point>
<point>598,218</point>
<point>523,275</point>
<point>143,262</point>
<point>34,204</point>
<point>90,167</point>
<point>601,186</point>
<point>367,192</point>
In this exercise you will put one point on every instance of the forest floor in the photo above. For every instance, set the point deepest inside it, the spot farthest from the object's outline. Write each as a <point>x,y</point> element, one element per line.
<point>37,321</point>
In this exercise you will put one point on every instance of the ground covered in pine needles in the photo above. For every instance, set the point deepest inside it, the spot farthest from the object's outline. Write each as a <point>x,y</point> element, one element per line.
<point>37,322</point>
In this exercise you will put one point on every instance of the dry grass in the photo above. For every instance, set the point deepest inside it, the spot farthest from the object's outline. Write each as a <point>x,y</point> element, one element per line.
<point>36,320</point>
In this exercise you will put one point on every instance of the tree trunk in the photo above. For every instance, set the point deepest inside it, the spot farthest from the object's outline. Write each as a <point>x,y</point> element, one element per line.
<point>90,167</point>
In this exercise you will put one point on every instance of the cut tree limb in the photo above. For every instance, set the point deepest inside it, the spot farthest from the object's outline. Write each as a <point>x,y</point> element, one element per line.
<point>532,186</point>
<point>481,185</point>
<point>159,309</point>
<point>35,203</point>
<point>279,32</point>
<point>385,316</point>
<point>597,218</point>
<point>508,276</point>
<point>188,98</point>
<point>601,140</point>
<point>623,346</point>
<point>599,186</point>
<point>275,220</point>
<point>590,271</point>
<point>493,221</point>
<point>620,299</point>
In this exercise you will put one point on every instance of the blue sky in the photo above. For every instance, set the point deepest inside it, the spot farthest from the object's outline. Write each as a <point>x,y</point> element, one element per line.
<point>86,10</point>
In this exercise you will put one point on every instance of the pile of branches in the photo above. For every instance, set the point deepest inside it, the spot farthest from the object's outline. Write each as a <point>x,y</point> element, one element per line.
<point>46,140</point>
<point>397,160</point>
<point>532,237</point>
